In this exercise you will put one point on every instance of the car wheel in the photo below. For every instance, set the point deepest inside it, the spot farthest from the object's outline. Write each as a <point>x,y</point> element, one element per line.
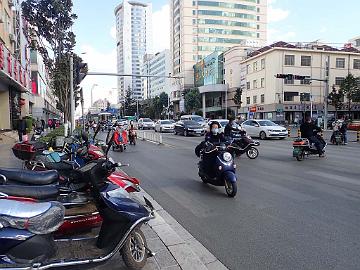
<point>155,130</point>
<point>160,130</point>
<point>262,135</point>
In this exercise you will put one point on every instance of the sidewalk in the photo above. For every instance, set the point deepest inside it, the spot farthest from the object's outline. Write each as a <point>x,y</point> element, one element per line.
<point>175,247</point>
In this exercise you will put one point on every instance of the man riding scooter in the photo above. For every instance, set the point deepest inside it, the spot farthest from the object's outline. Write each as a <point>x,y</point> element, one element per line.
<point>309,131</point>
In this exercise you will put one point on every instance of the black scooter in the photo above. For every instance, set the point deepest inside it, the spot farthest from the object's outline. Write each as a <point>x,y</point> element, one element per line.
<point>242,143</point>
<point>222,172</point>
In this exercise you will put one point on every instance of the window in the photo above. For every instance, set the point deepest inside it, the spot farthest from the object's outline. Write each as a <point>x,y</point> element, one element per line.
<point>339,80</point>
<point>262,98</point>
<point>305,61</point>
<point>254,99</point>
<point>254,84</point>
<point>356,63</point>
<point>248,100</point>
<point>194,12</point>
<point>289,96</point>
<point>340,62</point>
<point>262,83</point>
<point>306,81</point>
<point>262,63</point>
<point>247,69</point>
<point>247,85</point>
<point>289,60</point>
<point>258,27</point>
<point>286,81</point>
<point>255,66</point>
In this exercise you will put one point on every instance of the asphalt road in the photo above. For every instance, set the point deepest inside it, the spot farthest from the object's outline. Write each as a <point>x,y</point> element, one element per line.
<point>287,214</point>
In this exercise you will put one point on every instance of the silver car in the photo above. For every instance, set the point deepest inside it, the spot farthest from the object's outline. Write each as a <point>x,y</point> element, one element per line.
<point>264,129</point>
<point>164,126</point>
<point>146,123</point>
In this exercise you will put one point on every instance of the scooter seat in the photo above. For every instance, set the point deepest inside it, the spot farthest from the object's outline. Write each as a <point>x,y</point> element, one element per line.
<point>34,192</point>
<point>30,177</point>
<point>38,218</point>
<point>59,166</point>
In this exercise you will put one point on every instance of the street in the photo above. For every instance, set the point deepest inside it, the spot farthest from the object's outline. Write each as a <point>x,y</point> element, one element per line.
<point>286,215</point>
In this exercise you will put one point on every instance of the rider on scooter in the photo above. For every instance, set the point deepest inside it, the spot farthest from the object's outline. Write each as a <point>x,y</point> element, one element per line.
<point>214,137</point>
<point>309,131</point>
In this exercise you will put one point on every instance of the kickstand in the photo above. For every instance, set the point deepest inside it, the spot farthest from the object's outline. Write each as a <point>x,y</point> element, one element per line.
<point>149,252</point>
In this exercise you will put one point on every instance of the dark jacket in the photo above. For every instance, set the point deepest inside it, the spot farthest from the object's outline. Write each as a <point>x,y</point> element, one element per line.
<point>22,126</point>
<point>308,130</point>
<point>228,129</point>
<point>209,137</point>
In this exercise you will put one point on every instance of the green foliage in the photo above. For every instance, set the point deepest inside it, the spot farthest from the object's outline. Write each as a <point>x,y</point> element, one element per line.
<point>192,100</point>
<point>237,97</point>
<point>335,98</point>
<point>53,134</point>
<point>351,89</point>
<point>155,108</point>
<point>130,103</point>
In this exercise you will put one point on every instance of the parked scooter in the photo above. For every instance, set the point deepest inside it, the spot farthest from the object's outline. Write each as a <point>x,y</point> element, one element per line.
<point>223,169</point>
<point>242,143</point>
<point>27,229</point>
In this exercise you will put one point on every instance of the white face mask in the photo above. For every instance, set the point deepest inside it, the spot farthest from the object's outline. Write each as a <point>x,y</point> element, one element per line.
<point>215,131</point>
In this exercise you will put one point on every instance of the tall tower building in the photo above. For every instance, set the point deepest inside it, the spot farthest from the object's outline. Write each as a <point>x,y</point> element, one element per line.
<point>133,41</point>
<point>199,28</point>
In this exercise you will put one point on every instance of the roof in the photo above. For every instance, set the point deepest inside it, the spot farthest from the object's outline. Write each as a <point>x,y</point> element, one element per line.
<point>308,46</point>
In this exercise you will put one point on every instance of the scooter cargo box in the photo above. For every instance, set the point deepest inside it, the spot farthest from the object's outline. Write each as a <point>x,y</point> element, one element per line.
<point>28,150</point>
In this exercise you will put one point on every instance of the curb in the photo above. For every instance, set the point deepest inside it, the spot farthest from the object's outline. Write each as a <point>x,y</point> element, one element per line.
<point>189,253</point>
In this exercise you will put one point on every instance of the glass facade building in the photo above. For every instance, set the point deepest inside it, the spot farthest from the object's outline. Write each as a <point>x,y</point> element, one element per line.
<point>133,36</point>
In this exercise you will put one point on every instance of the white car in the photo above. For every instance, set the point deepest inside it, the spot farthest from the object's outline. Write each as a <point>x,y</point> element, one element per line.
<point>146,123</point>
<point>264,129</point>
<point>164,126</point>
<point>222,122</point>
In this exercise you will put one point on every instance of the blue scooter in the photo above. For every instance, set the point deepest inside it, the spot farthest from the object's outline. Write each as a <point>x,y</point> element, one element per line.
<point>222,171</point>
<point>26,229</point>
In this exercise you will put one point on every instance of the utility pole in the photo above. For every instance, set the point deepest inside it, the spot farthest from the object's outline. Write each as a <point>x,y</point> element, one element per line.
<point>82,108</point>
<point>72,99</point>
<point>326,94</point>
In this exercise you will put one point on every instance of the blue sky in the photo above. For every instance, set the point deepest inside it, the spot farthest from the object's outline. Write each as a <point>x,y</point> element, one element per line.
<point>289,20</point>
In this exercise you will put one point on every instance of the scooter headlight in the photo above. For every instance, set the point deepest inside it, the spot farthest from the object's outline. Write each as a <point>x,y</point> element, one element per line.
<point>227,156</point>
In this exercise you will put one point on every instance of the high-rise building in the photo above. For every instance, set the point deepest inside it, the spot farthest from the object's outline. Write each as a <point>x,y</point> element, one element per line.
<point>199,28</point>
<point>133,37</point>
<point>157,65</point>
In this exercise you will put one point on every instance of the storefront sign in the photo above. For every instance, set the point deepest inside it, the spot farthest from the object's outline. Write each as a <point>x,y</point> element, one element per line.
<point>253,109</point>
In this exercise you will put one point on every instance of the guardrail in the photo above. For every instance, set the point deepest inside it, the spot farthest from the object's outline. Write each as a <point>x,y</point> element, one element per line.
<point>150,136</point>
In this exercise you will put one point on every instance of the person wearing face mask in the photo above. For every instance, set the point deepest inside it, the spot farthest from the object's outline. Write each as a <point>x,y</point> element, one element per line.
<point>212,137</point>
<point>310,131</point>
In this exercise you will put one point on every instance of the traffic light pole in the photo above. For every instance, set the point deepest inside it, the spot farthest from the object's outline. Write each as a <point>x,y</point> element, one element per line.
<point>72,99</point>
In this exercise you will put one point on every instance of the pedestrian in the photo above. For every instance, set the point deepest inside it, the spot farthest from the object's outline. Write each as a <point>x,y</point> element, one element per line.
<point>343,128</point>
<point>53,124</point>
<point>21,128</point>
<point>42,124</point>
<point>50,122</point>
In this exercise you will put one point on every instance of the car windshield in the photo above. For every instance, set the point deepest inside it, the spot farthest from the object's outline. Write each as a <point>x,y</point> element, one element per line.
<point>147,120</point>
<point>267,123</point>
<point>191,122</point>
<point>223,123</point>
<point>198,119</point>
<point>165,122</point>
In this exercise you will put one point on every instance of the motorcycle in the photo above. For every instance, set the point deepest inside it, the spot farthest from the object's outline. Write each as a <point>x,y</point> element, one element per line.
<point>132,137</point>
<point>337,138</point>
<point>120,139</point>
<point>302,147</point>
<point>224,168</point>
<point>27,229</point>
<point>242,143</point>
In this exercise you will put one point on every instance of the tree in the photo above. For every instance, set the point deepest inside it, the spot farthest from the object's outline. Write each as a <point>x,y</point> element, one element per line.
<point>192,100</point>
<point>237,97</point>
<point>49,32</point>
<point>336,98</point>
<point>351,89</point>
<point>130,103</point>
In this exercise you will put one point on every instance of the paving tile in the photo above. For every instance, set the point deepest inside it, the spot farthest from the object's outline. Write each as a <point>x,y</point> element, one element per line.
<point>186,257</point>
<point>167,235</point>
<point>204,255</point>
<point>165,259</point>
<point>156,245</point>
<point>217,265</point>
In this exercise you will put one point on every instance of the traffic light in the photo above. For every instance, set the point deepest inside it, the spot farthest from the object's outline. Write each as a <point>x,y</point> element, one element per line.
<point>299,77</point>
<point>81,72</point>
<point>285,76</point>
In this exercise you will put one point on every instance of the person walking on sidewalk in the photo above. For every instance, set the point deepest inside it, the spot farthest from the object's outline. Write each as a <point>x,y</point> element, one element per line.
<point>21,128</point>
<point>42,124</point>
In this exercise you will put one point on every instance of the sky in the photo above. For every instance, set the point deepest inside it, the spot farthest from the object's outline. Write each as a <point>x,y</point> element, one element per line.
<point>289,20</point>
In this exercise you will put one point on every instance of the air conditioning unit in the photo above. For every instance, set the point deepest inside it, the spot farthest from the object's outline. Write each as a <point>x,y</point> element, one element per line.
<point>11,3</point>
<point>12,37</point>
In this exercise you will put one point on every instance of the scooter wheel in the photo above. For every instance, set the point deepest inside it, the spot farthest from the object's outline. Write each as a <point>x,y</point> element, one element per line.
<point>121,148</point>
<point>230,188</point>
<point>134,252</point>
<point>252,153</point>
<point>300,157</point>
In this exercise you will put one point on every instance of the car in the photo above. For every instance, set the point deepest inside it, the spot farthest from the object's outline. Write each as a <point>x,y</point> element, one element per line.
<point>188,127</point>
<point>146,123</point>
<point>354,125</point>
<point>222,122</point>
<point>195,118</point>
<point>264,129</point>
<point>164,126</point>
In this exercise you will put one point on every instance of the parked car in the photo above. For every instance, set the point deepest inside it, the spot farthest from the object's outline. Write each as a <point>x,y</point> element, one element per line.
<point>222,122</point>
<point>146,123</point>
<point>195,118</point>
<point>354,125</point>
<point>164,126</point>
<point>264,129</point>
<point>188,127</point>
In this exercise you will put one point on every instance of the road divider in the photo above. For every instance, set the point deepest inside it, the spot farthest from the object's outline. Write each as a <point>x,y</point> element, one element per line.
<point>150,136</point>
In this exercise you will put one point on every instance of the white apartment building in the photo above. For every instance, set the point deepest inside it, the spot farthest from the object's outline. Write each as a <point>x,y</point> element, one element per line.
<point>266,96</point>
<point>133,37</point>
<point>157,65</point>
<point>355,42</point>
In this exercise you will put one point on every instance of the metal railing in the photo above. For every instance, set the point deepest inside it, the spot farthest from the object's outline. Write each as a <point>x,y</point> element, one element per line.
<point>149,136</point>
